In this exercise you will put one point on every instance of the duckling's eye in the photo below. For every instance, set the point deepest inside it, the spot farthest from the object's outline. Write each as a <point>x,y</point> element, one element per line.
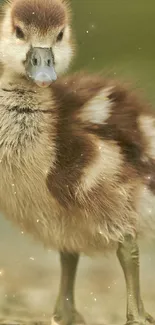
<point>60,36</point>
<point>19,32</point>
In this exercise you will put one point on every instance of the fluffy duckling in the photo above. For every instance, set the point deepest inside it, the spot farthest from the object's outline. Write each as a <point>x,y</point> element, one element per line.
<point>77,159</point>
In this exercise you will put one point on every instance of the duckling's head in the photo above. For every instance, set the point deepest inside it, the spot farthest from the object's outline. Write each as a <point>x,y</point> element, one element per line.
<point>36,39</point>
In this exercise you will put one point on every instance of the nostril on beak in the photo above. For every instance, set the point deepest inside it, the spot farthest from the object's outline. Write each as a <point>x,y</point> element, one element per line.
<point>34,62</point>
<point>48,62</point>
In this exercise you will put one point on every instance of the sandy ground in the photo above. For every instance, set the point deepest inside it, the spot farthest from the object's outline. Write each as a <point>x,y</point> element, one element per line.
<point>29,278</point>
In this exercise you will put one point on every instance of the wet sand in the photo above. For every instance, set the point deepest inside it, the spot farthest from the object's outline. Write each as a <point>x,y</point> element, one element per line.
<point>29,279</point>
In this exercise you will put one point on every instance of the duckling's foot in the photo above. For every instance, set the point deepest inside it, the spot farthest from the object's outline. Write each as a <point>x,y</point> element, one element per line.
<point>67,317</point>
<point>142,321</point>
<point>15,322</point>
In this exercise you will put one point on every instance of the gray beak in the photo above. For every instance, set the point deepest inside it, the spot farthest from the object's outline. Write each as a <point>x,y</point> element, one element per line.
<point>39,66</point>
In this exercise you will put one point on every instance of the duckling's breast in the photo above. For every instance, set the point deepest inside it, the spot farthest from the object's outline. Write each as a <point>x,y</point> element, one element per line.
<point>26,156</point>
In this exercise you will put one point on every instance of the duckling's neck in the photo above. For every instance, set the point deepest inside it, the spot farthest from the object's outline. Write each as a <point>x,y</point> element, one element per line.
<point>27,119</point>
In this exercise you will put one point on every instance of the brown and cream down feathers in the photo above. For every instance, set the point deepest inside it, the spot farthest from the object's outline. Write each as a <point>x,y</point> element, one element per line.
<point>78,157</point>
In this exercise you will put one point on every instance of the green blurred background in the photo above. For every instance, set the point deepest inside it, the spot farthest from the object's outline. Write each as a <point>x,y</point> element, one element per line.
<point>119,36</point>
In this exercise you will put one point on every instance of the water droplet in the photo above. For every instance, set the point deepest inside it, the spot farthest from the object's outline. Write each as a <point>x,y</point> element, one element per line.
<point>38,220</point>
<point>33,13</point>
<point>87,31</point>
<point>32,258</point>
<point>93,58</point>
<point>95,299</point>
<point>13,184</point>
<point>100,147</point>
<point>15,193</point>
<point>22,232</point>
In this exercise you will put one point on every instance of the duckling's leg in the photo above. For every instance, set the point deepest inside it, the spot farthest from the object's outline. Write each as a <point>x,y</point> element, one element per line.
<point>128,255</point>
<point>65,312</point>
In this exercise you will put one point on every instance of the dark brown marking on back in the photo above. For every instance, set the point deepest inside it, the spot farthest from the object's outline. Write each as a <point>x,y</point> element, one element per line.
<point>123,127</point>
<point>75,151</point>
<point>73,138</point>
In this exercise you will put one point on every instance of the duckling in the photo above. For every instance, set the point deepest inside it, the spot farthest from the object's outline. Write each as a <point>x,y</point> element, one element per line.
<point>77,158</point>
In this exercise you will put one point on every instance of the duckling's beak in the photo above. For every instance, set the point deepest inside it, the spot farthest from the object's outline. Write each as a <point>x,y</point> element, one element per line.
<point>39,66</point>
